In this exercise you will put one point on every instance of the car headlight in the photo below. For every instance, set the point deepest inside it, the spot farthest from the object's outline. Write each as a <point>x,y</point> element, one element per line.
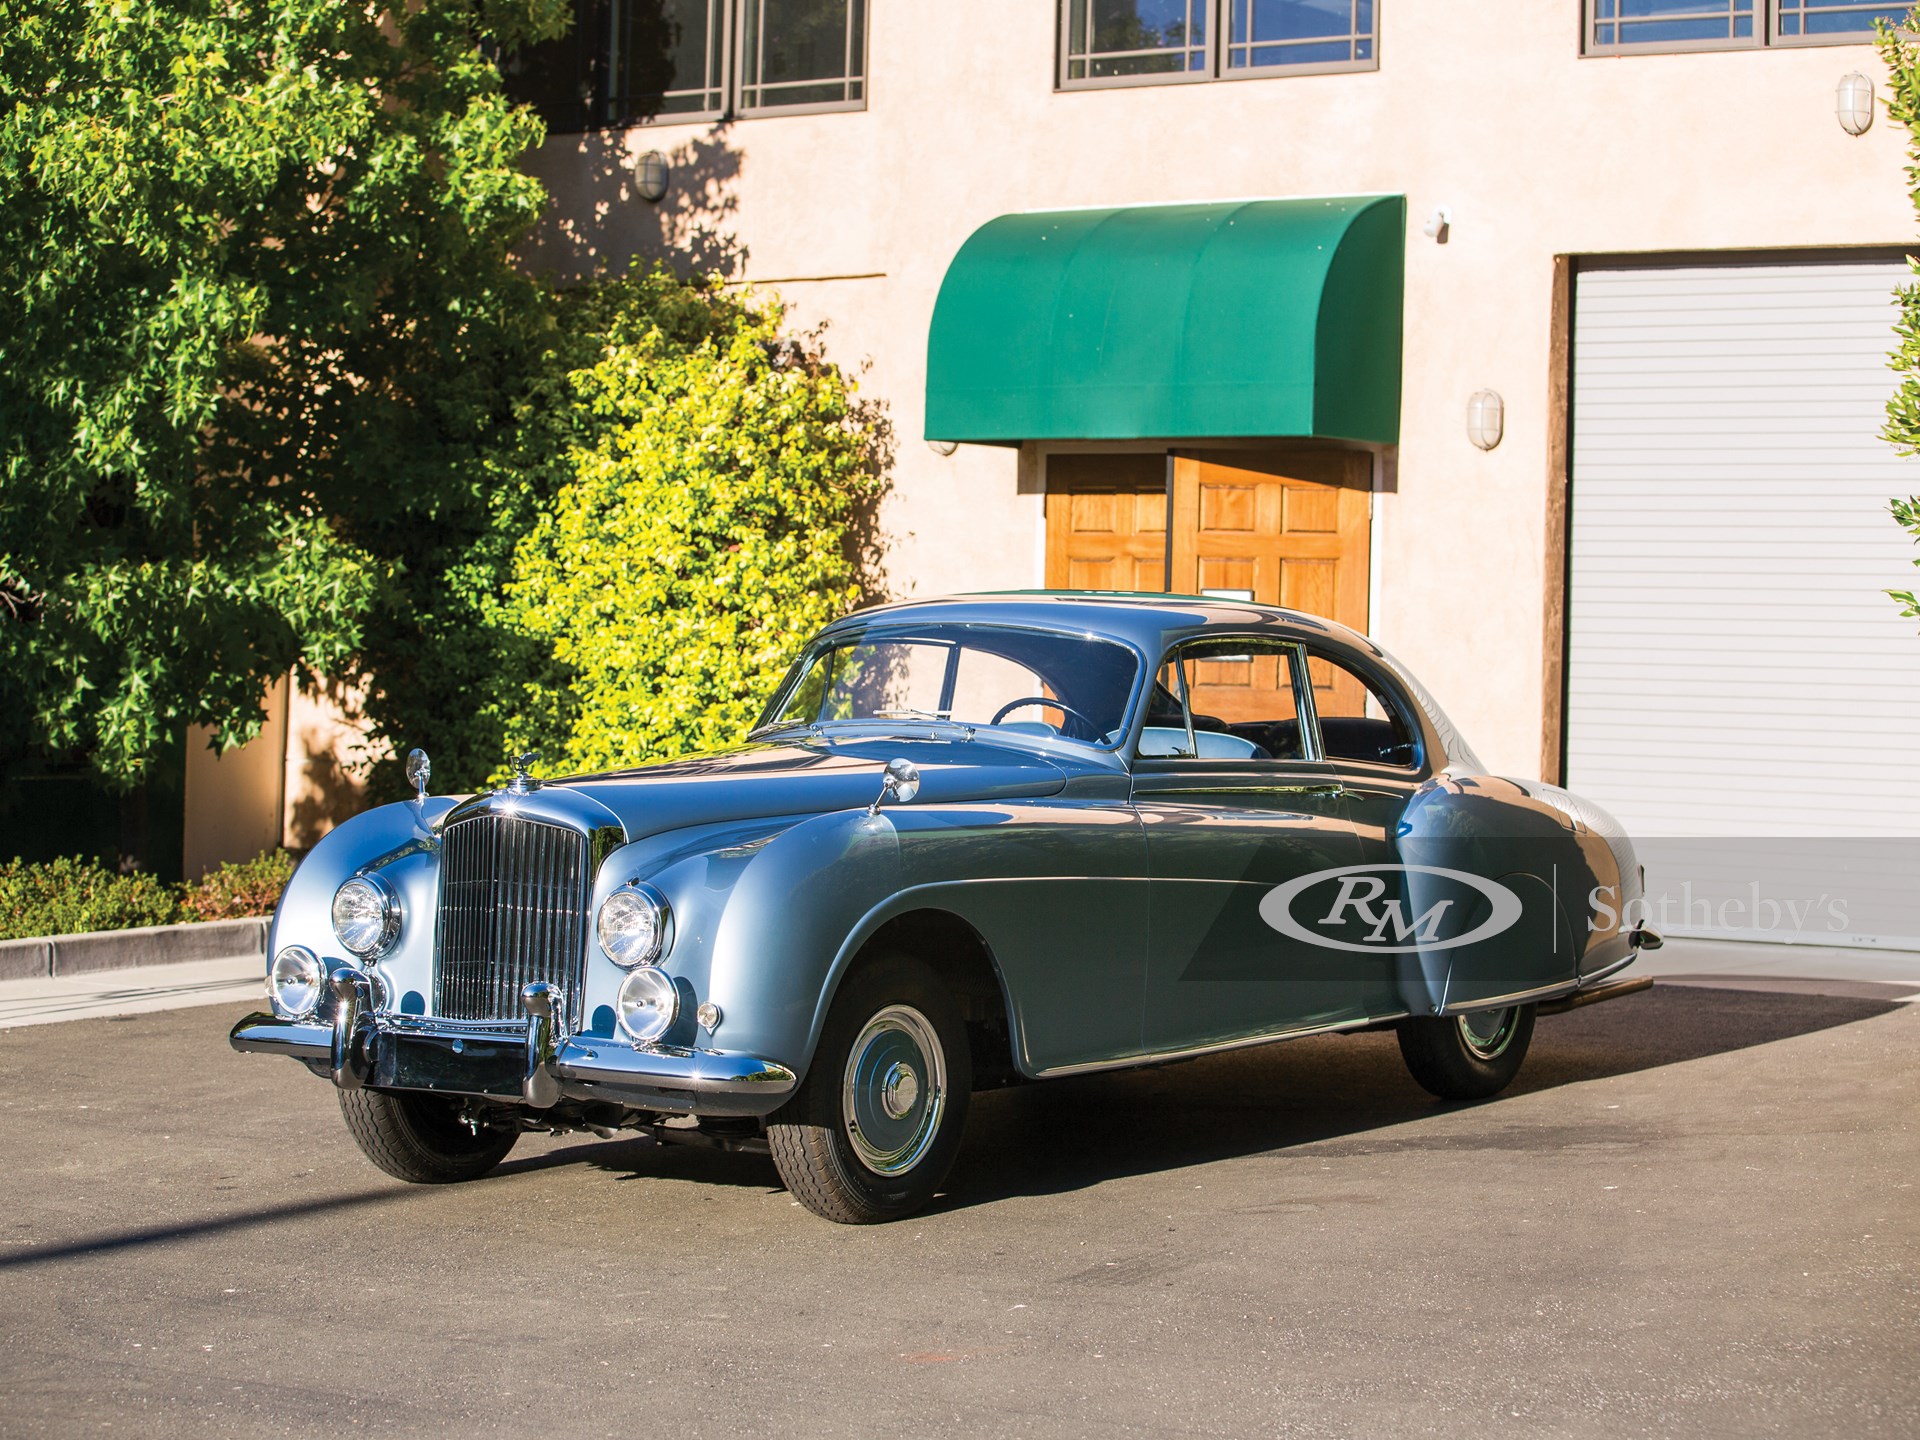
<point>633,925</point>
<point>366,916</point>
<point>293,984</point>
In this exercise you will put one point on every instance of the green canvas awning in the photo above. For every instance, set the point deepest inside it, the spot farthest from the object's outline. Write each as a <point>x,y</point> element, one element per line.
<point>1244,319</point>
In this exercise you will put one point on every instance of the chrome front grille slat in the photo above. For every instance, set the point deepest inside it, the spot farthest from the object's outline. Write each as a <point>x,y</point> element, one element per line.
<point>513,909</point>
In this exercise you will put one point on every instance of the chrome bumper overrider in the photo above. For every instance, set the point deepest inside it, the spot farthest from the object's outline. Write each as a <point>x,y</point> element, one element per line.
<point>535,1063</point>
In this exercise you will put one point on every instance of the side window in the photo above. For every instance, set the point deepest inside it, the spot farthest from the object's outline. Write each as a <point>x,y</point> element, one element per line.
<point>1357,722</point>
<point>1226,698</point>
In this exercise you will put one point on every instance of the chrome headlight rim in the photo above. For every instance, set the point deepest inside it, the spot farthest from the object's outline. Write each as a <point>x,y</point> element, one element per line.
<point>661,1015</point>
<point>388,899</point>
<point>644,952</point>
<point>285,959</point>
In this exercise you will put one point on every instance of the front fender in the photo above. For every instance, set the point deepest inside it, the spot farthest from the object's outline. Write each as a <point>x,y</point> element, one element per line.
<point>762,912</point>
<point>401,842</point>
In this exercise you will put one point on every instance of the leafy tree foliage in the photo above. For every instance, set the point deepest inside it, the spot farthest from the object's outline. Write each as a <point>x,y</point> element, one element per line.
<point>1903,410</point>
<point>258,332</point>
<point>716,512</point>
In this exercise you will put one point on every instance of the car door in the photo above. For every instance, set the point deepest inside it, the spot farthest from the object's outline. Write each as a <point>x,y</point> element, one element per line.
<point>1371,743</point>
<point>1236,801</point>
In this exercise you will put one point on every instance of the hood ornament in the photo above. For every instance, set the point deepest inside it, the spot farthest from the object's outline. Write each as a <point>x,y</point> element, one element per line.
<point>522,782</point>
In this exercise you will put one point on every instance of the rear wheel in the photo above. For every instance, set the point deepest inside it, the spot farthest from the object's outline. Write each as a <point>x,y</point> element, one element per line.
<point>423,1139</point>
<point>876,1124</point>
<point>1467,1057</point>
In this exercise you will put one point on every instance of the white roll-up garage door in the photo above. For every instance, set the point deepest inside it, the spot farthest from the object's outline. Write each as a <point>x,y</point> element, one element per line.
<point>1736,672</point>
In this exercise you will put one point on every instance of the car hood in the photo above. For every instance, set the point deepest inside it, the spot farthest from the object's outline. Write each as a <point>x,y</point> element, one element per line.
<point>765,781</point>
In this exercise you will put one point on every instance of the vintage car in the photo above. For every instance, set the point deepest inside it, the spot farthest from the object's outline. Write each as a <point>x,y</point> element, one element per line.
<point>972,842</point>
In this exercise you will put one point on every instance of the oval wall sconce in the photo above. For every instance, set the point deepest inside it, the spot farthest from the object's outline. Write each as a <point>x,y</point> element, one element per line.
<point>1486,418</point>
<point>650,176</point>
<point>1853,103</point>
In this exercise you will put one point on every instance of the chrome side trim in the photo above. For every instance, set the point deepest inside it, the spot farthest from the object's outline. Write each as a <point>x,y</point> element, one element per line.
<point>1214,1047</point>
<point>1518,997</point>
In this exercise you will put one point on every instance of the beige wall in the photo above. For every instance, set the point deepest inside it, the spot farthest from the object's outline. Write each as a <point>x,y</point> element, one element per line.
<point>1484,107</point>
<point>325,759</point>
<point>233,801</point>
<point>289,785</point>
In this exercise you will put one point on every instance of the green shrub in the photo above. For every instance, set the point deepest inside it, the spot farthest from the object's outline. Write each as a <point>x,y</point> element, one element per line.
<point>66,896</point>
<point>715,514</point>
<point>239,889</point>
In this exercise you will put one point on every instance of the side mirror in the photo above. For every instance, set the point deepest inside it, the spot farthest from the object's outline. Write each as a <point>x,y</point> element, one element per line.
<point>419,771</point>
<point>899,785</point>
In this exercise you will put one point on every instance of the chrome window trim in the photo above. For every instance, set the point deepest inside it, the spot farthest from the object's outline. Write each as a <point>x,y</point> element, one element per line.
<point>1303,707</point>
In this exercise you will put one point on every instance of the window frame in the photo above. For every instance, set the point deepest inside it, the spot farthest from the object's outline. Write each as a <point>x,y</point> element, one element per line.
<point>1766,36</point>
<point>737,86</point>
<point>1384,687</point>
<point>723,85</point>
<point>594,60</point>
<point>1307,716</point>
<point>1215,68</point>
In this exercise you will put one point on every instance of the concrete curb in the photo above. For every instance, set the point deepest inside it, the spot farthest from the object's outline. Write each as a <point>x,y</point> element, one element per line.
<point>124,949</point>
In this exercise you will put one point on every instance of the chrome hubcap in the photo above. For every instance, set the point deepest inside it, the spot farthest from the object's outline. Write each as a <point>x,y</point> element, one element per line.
<point>902,1088</point>
<point>1487,1033</point>
<point>894,1092</point>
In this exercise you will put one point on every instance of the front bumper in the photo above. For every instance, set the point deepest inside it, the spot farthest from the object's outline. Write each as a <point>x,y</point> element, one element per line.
<point>533,1064</point>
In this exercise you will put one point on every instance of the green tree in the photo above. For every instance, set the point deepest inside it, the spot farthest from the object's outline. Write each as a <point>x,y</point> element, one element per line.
<point>259,330</point>
<point>1902,429</point>
<point>717,512</point>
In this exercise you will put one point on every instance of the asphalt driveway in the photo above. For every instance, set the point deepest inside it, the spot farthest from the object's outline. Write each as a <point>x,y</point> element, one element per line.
<point>1699,1213</point>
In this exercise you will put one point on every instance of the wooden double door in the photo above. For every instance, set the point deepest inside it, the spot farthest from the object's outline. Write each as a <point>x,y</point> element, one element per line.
<point>1279,528</point>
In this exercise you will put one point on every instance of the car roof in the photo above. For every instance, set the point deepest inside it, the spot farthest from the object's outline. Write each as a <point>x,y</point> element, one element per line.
<point>1148,621</point>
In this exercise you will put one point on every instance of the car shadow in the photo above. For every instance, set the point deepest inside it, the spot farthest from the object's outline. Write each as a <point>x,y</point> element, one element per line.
<point>1072,1134</point>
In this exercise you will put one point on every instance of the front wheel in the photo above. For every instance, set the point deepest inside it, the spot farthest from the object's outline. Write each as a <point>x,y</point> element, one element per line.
<point>422,1139</point>
<point>876,1124</point>
<point>1467,1057</point>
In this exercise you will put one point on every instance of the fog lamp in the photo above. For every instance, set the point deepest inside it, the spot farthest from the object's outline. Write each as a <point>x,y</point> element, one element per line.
<point>647,1004</point>
<point>293,984</point>
<point>366,916</point>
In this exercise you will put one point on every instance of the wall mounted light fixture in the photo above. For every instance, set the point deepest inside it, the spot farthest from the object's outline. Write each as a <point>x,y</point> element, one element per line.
<point>943,447</point>
<point>1853,103</point>
<point>650,176</point>
<point>1438,224</point>
<point>1486,418</point>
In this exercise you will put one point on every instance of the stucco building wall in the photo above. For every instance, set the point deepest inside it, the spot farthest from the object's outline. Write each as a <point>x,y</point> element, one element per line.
<point>1487,109</point>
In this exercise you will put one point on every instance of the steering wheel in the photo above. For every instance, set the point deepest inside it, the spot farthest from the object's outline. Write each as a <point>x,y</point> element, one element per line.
<point>1067,710</point>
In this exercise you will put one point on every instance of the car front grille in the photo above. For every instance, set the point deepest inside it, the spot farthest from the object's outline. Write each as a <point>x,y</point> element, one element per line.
<point>513,909</point>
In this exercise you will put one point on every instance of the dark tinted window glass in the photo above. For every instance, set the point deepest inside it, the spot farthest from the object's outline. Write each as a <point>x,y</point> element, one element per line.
<point>557,77</point>
<point>802,52</point>
<point>666,58</point>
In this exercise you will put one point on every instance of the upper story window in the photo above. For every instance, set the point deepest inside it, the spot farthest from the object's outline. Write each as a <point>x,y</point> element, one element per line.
<point>631,62</point>
<point>1134,42</point>
<point>1616,27</point>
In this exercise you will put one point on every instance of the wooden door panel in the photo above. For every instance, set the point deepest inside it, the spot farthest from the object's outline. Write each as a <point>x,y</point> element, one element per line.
<point>1107,523</point>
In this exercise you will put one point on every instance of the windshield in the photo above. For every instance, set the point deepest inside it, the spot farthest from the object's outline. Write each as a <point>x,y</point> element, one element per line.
<point>1023,681</point>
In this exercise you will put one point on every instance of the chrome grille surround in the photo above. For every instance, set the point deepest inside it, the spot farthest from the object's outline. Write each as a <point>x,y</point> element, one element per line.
<point>514,899</point>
